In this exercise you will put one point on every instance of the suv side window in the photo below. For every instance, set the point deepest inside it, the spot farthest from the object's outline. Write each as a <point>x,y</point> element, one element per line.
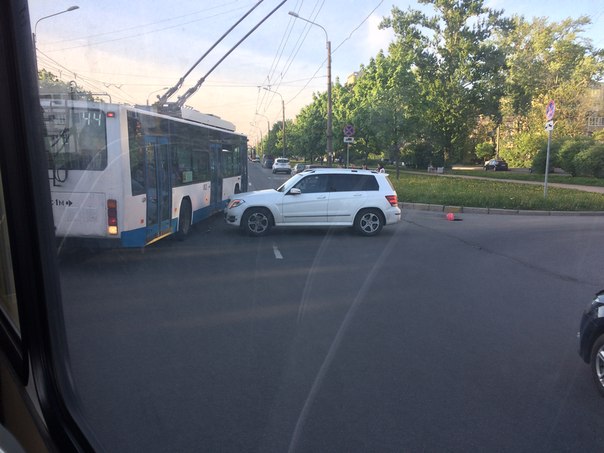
<point>313,184</point>
<point>350,183</point>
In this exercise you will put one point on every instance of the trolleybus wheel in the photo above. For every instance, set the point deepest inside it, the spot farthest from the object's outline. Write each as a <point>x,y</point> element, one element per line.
<point>184,220</point>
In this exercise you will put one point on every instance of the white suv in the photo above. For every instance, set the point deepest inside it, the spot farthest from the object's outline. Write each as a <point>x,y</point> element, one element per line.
<point>282,165</point>
<point>365,200</point>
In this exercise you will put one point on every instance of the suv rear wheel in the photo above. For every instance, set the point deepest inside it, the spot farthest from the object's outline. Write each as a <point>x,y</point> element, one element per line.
<point>369,222</point>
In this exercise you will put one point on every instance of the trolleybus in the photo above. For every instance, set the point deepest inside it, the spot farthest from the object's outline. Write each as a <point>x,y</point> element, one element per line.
<point>129,176</point>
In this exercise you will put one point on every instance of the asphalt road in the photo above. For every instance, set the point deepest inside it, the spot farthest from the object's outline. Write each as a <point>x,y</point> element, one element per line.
<point>433,336</point>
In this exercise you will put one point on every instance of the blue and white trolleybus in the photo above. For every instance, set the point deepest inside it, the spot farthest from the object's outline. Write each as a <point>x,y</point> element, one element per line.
<point>131,176</point>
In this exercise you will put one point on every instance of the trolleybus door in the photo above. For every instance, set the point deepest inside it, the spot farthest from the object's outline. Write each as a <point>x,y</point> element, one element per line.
<point>159,190</point>
<point>216,170</point>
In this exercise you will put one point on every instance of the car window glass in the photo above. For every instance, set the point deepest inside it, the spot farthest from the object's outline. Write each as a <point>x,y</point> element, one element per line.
<point>8,297</point>
<point>313,184</point>
<point>352,182</point>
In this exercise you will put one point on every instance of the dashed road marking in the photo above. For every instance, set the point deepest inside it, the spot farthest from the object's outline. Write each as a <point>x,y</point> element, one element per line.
<point>276,251</point>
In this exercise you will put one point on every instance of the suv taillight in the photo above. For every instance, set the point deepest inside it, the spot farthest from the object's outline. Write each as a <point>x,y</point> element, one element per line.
<point>392,199</point>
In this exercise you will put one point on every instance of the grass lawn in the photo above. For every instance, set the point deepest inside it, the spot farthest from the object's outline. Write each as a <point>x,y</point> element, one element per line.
<point>414,188</point>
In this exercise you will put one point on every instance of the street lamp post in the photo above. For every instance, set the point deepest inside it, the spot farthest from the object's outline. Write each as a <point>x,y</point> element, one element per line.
<point>268,131</point>
<point>257,127</point>
<point>329,102</point>
<point>283,108</point>
<point>71,8</point>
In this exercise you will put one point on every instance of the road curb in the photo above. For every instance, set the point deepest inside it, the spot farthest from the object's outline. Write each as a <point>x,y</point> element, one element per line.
<point>492,211</point>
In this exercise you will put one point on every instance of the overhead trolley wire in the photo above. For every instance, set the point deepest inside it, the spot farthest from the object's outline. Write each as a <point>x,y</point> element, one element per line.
<point>90,44</point>
<point>188,15</point>
<point>296,48</point>
<point>337,47</point>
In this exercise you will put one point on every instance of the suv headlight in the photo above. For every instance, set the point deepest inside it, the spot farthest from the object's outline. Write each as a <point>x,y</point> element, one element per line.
<point>596,303</point>
<point>234,203</point>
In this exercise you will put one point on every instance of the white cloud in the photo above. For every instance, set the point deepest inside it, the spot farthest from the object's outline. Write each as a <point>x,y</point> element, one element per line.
<point>377,39</point>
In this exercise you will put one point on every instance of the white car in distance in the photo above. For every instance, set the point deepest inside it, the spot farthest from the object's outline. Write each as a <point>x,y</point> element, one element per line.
<point>281,165</point>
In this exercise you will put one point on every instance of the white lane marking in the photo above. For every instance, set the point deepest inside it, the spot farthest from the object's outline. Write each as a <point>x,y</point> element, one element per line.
<point>277,252</point>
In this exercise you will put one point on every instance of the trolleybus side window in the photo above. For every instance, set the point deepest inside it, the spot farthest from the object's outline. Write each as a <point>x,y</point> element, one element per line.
<point>137,155</point>
<point>201,165</point>
<point>228,164</point>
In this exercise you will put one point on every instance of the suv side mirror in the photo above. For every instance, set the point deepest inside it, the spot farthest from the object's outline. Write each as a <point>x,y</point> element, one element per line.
<point>294,191</point>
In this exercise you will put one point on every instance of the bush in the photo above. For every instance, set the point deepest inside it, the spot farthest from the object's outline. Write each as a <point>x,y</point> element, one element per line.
<point>569,150</point>
<point>538,163</point>
<point>420,155</point>
<point>590,162</point>
<point>523,149</point>
<point>485,151</point>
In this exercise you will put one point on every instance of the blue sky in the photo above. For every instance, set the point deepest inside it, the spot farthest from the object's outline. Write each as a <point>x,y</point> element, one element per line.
<point>134,49</point>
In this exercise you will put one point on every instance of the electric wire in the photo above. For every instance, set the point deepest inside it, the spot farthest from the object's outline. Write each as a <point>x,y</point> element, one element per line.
<point>137,35</point>
<point>113,32</point>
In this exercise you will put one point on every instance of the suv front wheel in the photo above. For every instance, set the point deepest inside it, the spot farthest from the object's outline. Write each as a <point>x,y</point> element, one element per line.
<point>597,363</point>
<point>256,221</point>
<point>369,222</point>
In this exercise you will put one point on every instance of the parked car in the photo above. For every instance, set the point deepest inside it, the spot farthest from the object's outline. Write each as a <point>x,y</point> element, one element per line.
<point>496,165</point>
<point>267,161</point>
<point>256,159</point>
<point>298,168</point>
<point>281,165</point>
<point>591,339</point>
<point>363,199</point>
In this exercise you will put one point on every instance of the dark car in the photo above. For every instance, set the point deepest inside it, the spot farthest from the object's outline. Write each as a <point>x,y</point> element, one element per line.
<point>496,165</point>
<point>591,339</point>
<point>268,161</point>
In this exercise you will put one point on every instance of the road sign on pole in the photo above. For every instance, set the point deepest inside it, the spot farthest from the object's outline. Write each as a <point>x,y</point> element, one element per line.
<point>349,130</point>
<point>549,127</point>
<point>550,110</point>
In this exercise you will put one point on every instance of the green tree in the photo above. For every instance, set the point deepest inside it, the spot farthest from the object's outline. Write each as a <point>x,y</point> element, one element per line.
<point>50,85</point>
<point>458,66</point>
<point>546,61</point>
<point>309,130</point>
<point>485,150</point>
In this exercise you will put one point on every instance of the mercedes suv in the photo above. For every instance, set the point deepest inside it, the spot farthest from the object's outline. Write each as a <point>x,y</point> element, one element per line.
<point>365,200</point>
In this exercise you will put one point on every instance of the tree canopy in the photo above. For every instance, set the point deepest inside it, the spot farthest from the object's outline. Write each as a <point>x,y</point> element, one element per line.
<point>450,79</point>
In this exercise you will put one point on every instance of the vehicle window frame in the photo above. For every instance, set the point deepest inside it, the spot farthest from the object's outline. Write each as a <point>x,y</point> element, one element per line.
<point>41,356</point>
